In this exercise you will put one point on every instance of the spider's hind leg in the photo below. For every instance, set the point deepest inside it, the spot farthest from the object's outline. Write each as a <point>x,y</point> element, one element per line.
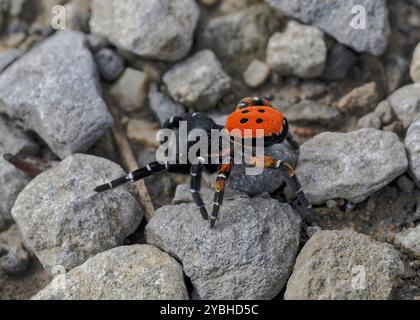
<point>133,176</point>
<point>195,186</point>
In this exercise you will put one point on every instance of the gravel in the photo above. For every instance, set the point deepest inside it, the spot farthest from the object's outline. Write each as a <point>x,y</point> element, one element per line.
<point>336,17</point>
<point>249,254</point>
<point>162,106</point>
<point>307,112</point>
<point>405,102</point>
<point>340,60</point>
<point>298,51</point>
<point>198,82</point>
<point>130,91</point>
<point>153,29</point>
<point>110,64</point>
<point>344,265</point>
<point>409,241</point>
<point>415,65</point>
<point>351,165</point>
<point>56,81</point>
<point>64,222</point>
<point>257,73</point>
<point>360,100</point>
<point>139,272</point>
<point>412,144</point>
<point>240,37</point>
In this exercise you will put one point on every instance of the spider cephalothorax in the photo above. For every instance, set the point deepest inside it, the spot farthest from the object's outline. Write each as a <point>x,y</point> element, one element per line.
<point>254,119</point>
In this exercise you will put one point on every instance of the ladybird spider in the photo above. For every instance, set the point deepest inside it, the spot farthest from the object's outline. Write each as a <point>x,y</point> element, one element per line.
<point>251,113</point>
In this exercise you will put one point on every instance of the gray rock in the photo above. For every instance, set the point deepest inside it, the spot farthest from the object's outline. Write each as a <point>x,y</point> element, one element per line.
<point>110,64</point>
<point>405,184</point>
<point>360,100</point>
<point>53,90</point>
<point>406,103</point>
<point>412,144</point>
<point>64,222</point>
<point>385,112</point>
<point>248,255</point>
<point>371,120</point>
<point>309,112</point>
<point>257,73</point>
<point>339,62</point>
<point>351,165</point>
<point>409,241</point>
<point>130,91</point>
<point>396,72</point>
<point>344,265</point>
<point>139,272</point>
<point>8,56</point>
<point>269,180</point>
<point>240,37</point>
<point>198,82</point>
<point>155,29</point>
<point>415,65</point>
<point>15,262</point>
<point>335,17</point>
<point>183,194</point>
<point>78,15</point>
<point>12,181</point>
<point>14,140</point>
<point>298,51</point>
<point>162,106</point>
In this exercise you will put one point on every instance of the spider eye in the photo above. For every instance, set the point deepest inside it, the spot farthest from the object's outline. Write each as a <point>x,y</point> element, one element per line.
<point>243,105</point>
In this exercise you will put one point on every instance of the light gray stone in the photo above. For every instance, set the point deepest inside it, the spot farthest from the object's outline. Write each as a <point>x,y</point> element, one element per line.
<point>139,272</point>
<point>297,51</point>
<point>198,82</point>
<point>240,37</point>
<point>409,241</point>
<point>162,106</point>
<point>415,65</point>
<point>155,29</point>
<point>371,120</point>
<point>8,56</point>
<point>257,73</point>
<point>248,255</point>
<point>14,140</point>
<point>130,91</point>
<point>406,103</point>
<point>385,112</point>
<point>64,222</point>
<point>412,144</point>
<point>54,91</point>
<point>344,265</point>
<point>351,165</point>
<point>338,18</point>
<point>360,100</point>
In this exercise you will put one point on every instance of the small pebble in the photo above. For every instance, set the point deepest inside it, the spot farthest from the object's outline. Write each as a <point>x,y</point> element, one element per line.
<point>371,120</point>
<point>144,132</point>
<point>360,100</point>
<point>405,184</point>
<point>130,90</point>
<point>415,65</point>
<point>110,64</point>
<point>256,74</point>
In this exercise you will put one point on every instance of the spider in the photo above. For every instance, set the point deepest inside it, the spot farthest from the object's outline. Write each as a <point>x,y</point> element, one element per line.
<point>251,113</point>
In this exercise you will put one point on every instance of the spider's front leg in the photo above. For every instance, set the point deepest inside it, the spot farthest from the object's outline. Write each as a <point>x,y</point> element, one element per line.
<point>223,175</point>
<point>133,176</point>
<point>289,174</point>
<point>195,186</point>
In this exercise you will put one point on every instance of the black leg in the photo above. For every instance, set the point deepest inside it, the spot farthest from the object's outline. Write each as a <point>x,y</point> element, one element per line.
<point>195,185</point>
<point>223,175</point>
<point>136,175</point>
<point>289,174</point>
